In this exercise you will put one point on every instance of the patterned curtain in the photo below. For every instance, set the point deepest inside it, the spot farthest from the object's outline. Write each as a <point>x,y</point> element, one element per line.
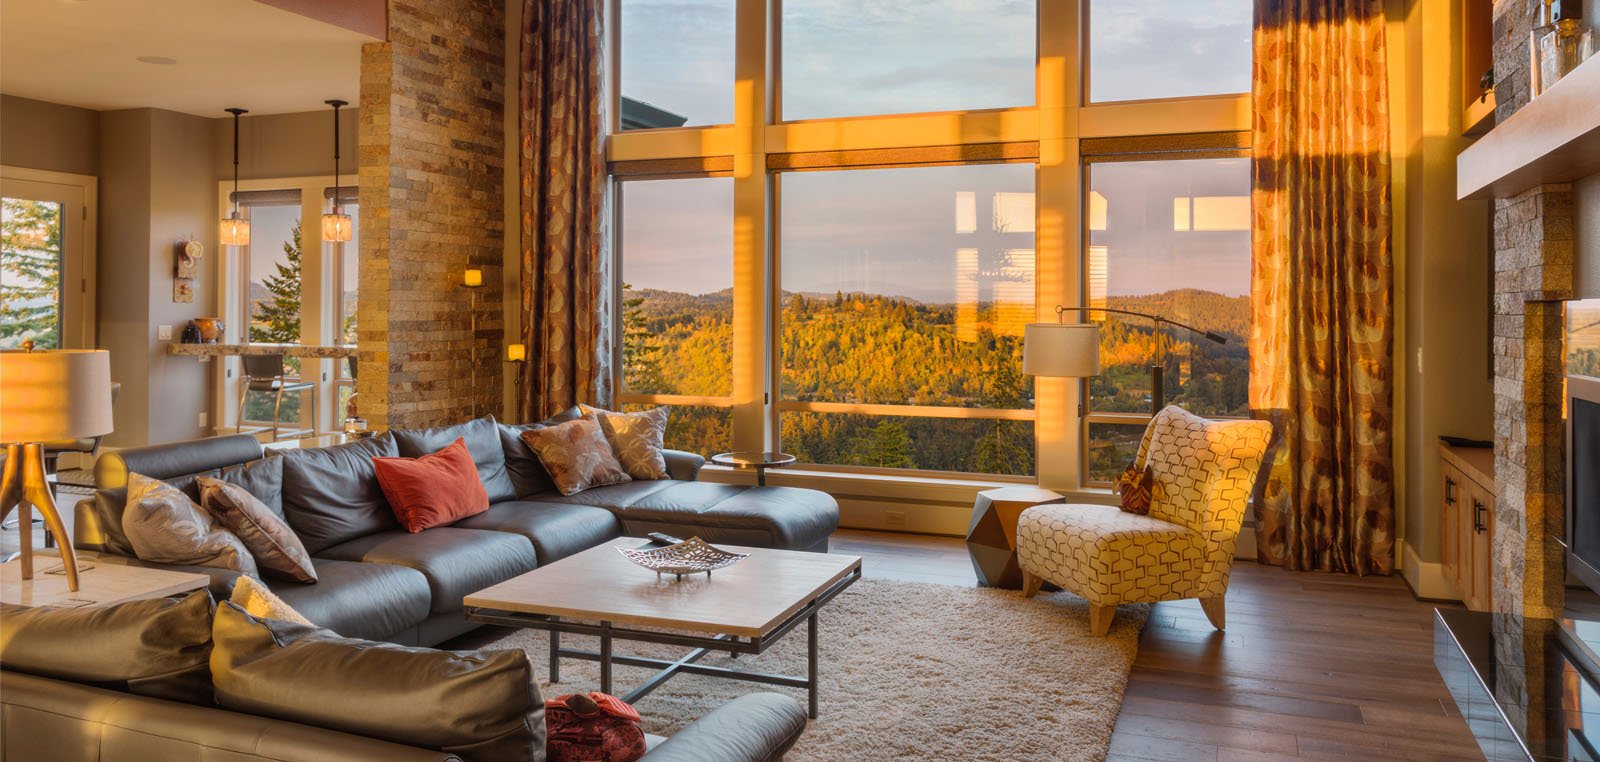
<point>1322,303</point>
<point>565,276</point>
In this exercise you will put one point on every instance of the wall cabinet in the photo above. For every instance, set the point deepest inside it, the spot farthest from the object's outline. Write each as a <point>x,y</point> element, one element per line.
<point>1468,521</point>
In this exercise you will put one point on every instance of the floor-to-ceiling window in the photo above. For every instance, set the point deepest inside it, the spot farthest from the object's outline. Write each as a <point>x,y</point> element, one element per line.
<point>836,217</point>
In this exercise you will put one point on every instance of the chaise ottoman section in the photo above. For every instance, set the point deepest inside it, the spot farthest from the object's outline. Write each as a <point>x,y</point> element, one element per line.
<point>787,518</point>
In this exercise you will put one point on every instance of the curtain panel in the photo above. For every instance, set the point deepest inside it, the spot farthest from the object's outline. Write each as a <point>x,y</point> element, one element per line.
<point>565,276</point>
<point>1322,285</point>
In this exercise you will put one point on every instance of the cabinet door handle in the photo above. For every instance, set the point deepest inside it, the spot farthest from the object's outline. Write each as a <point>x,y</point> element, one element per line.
<point>1449,491</point>
<point>1479,515</point>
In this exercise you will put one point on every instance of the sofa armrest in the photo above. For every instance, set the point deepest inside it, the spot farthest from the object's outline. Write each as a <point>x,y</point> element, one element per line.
<point>759,727</point>
<point>683,466</point>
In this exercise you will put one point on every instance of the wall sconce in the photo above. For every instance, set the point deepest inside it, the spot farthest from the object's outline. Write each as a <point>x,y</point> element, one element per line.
<point>516,353</point>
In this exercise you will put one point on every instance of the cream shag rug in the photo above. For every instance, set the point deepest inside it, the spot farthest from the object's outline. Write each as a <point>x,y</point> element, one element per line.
<point>912,670</point>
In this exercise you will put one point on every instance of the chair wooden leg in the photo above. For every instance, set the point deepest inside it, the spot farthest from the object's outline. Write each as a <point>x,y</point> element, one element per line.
<point>1214,611</point>
<point>1031,584</point>
<point>277,403</point>
<point>1100,619</point>
<point>244,394</point>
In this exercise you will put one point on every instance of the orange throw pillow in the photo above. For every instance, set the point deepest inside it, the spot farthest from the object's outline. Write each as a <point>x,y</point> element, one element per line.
<point>432,490</point>
<point>1137,489</point>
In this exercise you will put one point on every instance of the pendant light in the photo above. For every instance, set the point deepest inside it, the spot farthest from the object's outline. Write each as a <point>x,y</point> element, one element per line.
<point>234,229</point>
<point>336,224</point>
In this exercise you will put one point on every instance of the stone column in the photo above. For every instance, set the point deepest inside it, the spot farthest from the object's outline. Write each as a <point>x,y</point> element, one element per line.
<point>1533,271</point>
<point>432,147</point>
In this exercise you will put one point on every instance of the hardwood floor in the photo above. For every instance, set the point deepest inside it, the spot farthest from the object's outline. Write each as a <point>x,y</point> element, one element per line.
<point>1312,666</point>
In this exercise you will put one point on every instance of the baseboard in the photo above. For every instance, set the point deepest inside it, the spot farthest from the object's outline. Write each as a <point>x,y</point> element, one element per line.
<point>1426,578</point>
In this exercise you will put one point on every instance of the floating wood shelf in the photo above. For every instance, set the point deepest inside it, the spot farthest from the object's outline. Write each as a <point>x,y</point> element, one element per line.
<point>1553,139</point>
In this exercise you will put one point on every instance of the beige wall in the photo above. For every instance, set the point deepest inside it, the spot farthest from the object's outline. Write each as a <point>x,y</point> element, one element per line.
<point>156,189</point>
<point>1586,215</point>
<point>40,135</point>
<point>287,145</point>
<point>1443,352</point>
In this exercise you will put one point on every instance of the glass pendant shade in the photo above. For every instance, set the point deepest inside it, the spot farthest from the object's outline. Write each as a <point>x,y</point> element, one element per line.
<point>336,226</point>
<point>234,231</point>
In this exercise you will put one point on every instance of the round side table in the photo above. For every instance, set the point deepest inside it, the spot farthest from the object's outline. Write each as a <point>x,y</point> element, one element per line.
<point>760,461</point>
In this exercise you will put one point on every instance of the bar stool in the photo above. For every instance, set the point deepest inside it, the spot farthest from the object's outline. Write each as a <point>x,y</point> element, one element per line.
<point>265,373</point>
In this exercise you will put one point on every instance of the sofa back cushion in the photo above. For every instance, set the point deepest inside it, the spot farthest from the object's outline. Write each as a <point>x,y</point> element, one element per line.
<point>478,705</point>
<point>159,647</point>
<point>177,464</point>
<point>331,494</point>
<point>483,441</point>
<point>528,476</point>
<point>262,478</point>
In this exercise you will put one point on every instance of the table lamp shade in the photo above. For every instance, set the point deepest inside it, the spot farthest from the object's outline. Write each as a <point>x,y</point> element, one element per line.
<point>50,395</point>
<point>1064,350</point>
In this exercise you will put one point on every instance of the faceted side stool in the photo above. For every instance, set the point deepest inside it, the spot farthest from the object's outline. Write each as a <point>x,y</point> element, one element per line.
<point>992,533</point>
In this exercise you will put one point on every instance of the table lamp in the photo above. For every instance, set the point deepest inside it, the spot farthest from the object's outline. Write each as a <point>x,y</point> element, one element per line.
<point>45,396</point>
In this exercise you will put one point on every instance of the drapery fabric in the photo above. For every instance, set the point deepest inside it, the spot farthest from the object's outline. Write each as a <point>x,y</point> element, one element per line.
<point>565,276</point>
<point>1322,285</point>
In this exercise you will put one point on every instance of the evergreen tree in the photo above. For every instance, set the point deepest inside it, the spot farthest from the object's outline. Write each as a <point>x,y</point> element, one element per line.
<point>641,354</point>
<point>277,319</point>
<point>1002,448</point>
<point>885,445</point>
<point>30,273</point>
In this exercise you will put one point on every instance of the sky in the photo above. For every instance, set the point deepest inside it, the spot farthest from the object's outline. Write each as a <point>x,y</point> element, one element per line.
<point>891,231</point>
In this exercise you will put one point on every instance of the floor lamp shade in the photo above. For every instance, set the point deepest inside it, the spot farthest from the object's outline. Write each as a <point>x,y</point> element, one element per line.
<point>1061,350</point>
<point>50,395</point>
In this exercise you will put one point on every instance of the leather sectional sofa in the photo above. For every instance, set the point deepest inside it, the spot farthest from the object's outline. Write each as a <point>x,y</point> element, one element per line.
<point>377,581</point>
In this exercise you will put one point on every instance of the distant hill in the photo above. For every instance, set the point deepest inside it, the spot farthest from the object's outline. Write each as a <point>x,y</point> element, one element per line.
<point>875,349</point>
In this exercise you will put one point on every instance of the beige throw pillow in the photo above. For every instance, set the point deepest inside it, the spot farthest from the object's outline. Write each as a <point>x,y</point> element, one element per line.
<point>164,526</point>
<point>636,439</point>
<point>576,454</point>
<point>260,602</point>
<point>276,548</point>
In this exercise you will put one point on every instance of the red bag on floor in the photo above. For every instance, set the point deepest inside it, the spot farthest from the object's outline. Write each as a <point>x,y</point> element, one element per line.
<point>592,727</point>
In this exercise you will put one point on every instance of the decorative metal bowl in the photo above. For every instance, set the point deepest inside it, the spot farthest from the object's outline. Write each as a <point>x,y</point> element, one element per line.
<point>691,556</point>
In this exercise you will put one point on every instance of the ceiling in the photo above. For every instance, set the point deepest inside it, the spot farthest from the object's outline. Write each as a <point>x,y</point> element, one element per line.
<point>226,52</point>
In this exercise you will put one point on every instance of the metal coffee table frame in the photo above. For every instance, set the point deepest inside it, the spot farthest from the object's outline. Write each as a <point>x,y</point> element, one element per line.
<point>668,668</point>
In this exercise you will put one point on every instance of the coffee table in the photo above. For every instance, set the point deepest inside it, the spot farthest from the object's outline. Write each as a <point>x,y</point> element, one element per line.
<point>742,609</point>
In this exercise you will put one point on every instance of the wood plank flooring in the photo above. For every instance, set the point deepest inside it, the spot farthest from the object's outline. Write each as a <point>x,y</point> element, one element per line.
<point>1312,666</point>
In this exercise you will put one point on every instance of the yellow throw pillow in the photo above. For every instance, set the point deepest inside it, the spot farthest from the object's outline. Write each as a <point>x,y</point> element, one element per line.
<point>260,602</point>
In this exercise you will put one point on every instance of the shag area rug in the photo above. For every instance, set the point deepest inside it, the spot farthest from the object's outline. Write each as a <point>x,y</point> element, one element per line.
<point>912,670</point>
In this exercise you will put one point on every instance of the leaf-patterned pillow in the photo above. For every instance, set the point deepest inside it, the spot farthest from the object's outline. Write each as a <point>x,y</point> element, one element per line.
<point>576,454</point>
<point>164,526</point>
<point>636,439</point>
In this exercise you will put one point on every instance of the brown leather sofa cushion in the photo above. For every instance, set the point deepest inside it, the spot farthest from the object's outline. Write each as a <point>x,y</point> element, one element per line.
<point>159,647</point>
<point>478,705</point>
<point>483,441</point>
<point>331,494</point>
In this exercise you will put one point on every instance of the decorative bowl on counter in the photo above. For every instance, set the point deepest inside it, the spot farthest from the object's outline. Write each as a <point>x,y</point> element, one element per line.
<point>210,329</point>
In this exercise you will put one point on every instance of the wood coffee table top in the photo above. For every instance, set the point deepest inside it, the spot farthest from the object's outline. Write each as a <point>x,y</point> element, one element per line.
<point>749,599</point>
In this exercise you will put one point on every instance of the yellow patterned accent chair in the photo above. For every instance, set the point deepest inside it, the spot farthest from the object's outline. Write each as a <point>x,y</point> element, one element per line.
<point>1204,474</point>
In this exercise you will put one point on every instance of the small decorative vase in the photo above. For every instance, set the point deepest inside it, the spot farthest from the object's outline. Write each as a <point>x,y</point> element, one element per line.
<point>210,329</point>
<point>191,334</point>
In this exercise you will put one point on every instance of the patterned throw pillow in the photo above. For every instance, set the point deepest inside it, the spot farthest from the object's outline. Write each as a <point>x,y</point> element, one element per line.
<point>1136,487</point>
<point>276,548</point>
<point>164,526</point>
<point>576,454</point>
<point>260,602</point>
<point>636,439</point>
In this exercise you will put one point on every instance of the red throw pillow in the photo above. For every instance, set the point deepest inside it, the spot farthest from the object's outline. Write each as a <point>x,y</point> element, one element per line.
<point>432,490</point>
<point>593,727</point>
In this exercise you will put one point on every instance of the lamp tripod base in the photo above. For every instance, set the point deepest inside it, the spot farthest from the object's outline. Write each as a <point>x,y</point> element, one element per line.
<point>23,486</point>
